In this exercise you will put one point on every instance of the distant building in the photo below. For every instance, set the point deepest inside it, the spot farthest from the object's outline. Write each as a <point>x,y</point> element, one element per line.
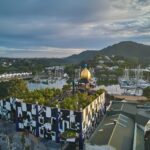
<point>85,82</point>
<point>15,75</point>
<point>77,73</point>
<point>55,71</point>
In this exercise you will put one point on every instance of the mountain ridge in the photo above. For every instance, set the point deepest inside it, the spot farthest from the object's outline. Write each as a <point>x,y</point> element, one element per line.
<point>127,49</point>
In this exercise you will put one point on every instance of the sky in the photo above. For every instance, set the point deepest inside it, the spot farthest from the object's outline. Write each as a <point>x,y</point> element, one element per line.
<point>59,28</point>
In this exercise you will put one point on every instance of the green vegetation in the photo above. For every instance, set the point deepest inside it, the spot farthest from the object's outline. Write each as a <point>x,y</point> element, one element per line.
<point>79,100</point>
<point>69,69</point>
<point>68,134</point>
<point>45,96</point>
<point>106,69</point>
<point>128,49</point>
<point>34,65</point>
<point>125,54</point>
<point>136,52</point>
<point>83,56</point>
<point>48,97</point>
<point>66,87</point>
<point>133,54</point>
<point>13,88</point>
<point>146,92</point>
<point>18,88</point>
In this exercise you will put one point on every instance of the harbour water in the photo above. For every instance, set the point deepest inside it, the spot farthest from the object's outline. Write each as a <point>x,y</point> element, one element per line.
<point>57,84</point>
<point>111,89</point>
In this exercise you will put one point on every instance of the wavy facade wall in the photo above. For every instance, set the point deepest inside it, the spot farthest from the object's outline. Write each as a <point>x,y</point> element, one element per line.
<point>49,123</point>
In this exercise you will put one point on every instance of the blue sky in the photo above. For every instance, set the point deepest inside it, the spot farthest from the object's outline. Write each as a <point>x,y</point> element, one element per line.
<point>59,28</point>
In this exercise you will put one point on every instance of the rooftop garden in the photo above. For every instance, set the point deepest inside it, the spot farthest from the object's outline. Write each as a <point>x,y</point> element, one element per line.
<point>68,134</point>
<point>47,97</point>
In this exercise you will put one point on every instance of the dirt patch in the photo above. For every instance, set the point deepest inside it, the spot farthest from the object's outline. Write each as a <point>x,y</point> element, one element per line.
<point>132,98</point>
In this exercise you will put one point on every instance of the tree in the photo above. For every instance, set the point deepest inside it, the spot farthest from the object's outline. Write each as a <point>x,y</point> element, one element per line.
<point>146,92</point>
<point>4,91</point>
<point>17,88</point>
<point>13,88</point>
<point>69,69</point>
<point>66,87</point>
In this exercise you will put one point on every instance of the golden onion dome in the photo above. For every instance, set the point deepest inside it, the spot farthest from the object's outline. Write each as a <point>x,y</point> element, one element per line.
<point>85,74</point>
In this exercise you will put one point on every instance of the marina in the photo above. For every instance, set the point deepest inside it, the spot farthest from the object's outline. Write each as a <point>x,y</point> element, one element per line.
<point>132,82</point>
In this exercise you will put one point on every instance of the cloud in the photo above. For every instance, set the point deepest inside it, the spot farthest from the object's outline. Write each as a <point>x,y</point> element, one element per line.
<point>45,52</point>
<point>71,24</point>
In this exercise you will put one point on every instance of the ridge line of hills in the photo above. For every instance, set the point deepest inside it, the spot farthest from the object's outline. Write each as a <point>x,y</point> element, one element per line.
<point>126,49</point>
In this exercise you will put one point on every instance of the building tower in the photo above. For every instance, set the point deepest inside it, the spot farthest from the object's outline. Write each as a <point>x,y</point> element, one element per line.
<point>85,82</point>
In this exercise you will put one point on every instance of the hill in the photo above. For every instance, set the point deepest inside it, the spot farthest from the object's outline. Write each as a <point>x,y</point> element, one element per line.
<point>86,55</point>
<point>128,49</point>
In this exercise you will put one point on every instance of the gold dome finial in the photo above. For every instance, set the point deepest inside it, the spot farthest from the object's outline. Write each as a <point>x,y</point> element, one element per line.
<point>85,74</point>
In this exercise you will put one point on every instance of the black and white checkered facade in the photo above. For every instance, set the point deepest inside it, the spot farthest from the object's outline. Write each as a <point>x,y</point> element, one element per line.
<point>92,114</point>
<point>49,123</point>
<point>8,109</point>
<point>45,122</point>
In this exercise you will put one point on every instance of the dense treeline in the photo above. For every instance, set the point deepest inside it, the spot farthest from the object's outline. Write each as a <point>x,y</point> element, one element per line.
<point>48,97</point>
<point>79,100</point>
<point>13,88</point>
<point>18,88</point>
<point>34,65</point>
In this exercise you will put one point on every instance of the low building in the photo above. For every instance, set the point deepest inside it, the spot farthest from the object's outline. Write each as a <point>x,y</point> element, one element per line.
<point>125,127</point>
<point>115,131</point>
<point>15,75</point>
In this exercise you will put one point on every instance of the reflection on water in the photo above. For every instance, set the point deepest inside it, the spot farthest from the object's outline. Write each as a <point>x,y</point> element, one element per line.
<point>116,90</point>
<point>112,89</point>
<point>57,84</point>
